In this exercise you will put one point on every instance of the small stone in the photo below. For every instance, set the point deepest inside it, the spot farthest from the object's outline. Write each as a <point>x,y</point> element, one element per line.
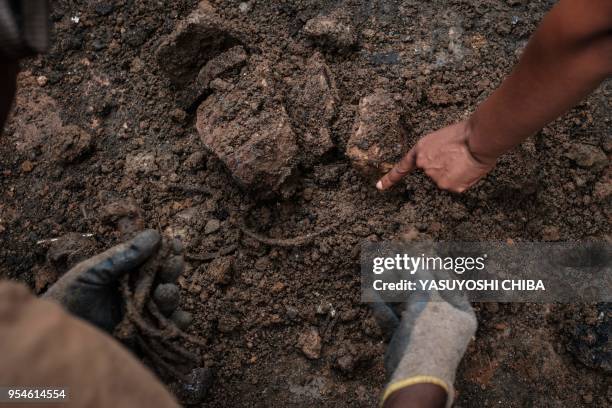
<point>310,343</point>
<point>588,156</point>
<point>178,115</point>
<point>551,233</point>
<point>142,163</point>
<point>307,193</point>
<point>182,319</point>
<point>195,161</point>
<point>172,268</point>
<point>227,324</point>
<point>220,269</point>
<point>27,166</point>
<point>42,80</point>
<point>71,145</point>
<point>167,297</point>
<point>329,32</point>
<point>195,288</point>
<point>292,312</point>
<point>277,287</point>
<point>587,398</point>
<point>212,226</point>
<point>346,363</point>
<point>245,7</point>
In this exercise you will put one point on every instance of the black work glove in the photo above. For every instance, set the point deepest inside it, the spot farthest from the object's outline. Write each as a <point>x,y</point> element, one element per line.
<point>90,289</point>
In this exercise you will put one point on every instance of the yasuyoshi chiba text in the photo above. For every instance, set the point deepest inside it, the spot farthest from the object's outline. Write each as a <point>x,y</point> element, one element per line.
<point>460,285</point>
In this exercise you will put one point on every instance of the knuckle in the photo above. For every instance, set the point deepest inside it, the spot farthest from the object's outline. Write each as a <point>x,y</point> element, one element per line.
<point>420,160</point>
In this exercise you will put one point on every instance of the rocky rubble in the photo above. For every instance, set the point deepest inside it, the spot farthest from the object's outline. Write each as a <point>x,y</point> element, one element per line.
<point>311,104</point>
<point>263,136</point>
<point>379,135</point>
<point>264,124</point>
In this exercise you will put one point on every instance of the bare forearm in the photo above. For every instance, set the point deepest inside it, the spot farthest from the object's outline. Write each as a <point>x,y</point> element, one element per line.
<point>568,56</point>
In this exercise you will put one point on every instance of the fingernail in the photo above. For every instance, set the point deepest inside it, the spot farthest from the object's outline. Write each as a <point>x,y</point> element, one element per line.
<point>379,185</point>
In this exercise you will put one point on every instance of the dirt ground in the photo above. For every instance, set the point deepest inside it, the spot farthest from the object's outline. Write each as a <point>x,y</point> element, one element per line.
<point>106,118</point>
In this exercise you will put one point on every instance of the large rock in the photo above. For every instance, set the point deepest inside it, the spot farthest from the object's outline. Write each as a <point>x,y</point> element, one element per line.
<point>379,135</point>
<point>311,104</point>
<point>196,40</point>
<point>248,129</point>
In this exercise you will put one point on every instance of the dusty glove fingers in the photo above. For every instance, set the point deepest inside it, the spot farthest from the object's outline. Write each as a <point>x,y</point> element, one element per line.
<point>106,268</point>
<point>166,294</point>
<point>401,335</point>
<point>384,314</point>
<point>171,269</point>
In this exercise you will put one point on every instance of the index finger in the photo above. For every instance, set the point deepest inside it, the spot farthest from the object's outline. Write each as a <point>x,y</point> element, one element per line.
<point>405,166</point>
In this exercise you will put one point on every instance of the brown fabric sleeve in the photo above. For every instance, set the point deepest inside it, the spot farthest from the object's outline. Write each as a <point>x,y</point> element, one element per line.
<point>44,346</point>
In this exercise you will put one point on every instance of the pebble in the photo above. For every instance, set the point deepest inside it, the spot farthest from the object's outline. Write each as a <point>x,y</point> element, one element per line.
<point>346,363</point>
<point>212,225</point>
<point>220,269</point>
<point>551,233</point>
<point>292,312</point>
<point>310,343</point>
<point>178,115</point>
<point>244,7</point>
<point>277,287</point>
<point>227,324</point>
<point>42,80</point>
<point>27,166</point>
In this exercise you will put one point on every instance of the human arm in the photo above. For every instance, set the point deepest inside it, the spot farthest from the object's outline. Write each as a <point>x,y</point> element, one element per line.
<point>569,55</point>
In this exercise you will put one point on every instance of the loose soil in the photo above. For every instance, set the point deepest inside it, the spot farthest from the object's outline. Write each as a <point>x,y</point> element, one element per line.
<point>101,129</point>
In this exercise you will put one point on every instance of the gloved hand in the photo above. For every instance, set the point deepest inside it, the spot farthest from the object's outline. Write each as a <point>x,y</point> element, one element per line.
<point>90,289</point>
<point>430,336</point>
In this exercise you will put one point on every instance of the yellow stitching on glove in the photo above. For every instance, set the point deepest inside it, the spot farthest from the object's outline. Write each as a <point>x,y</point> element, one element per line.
<point>419,379</point>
